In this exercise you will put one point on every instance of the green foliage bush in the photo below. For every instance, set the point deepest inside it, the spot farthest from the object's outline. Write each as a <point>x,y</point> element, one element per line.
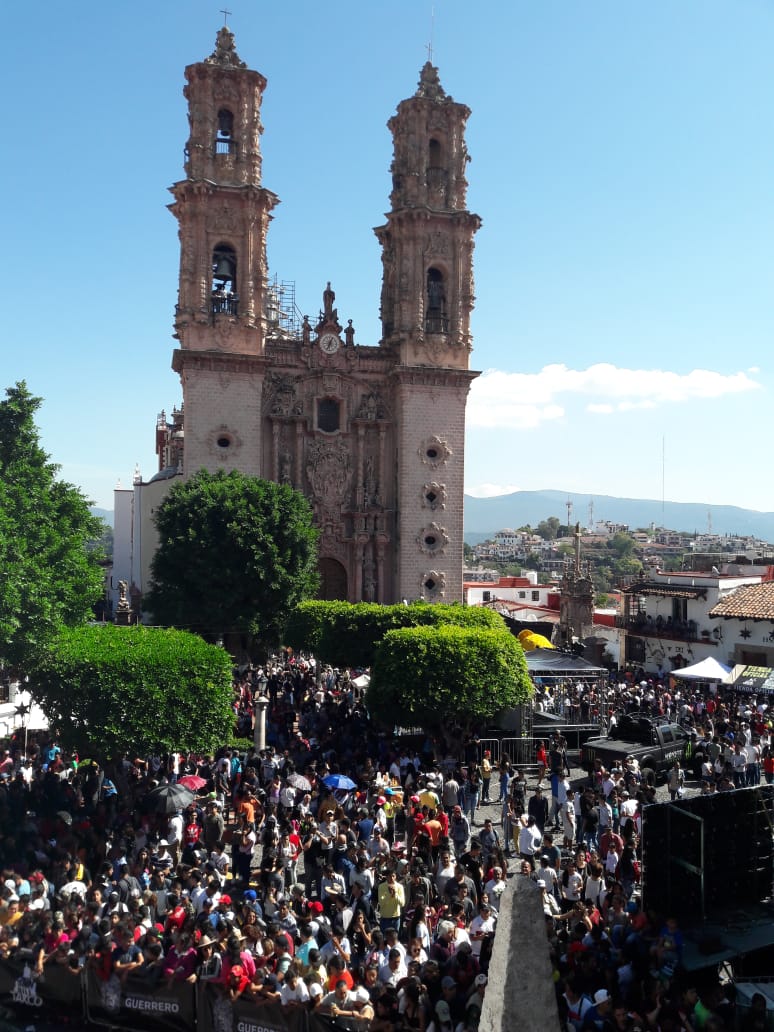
<point>344,634</point>
<point>109,690</point>
<point>439,675</point>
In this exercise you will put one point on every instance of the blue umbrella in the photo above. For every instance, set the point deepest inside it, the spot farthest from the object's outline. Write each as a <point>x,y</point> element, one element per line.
<point>334,781</point>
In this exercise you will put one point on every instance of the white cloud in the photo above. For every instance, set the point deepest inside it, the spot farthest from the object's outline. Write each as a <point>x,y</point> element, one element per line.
<point>491,490</point>
<point>526,400</point>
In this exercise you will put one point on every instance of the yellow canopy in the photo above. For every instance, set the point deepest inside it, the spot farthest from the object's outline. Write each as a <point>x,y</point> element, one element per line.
<point>530,640</point>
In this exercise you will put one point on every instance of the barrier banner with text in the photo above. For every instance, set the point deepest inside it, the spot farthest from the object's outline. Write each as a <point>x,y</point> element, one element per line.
<point>217,1013</point>
<point>58,986</point>
<point>136,1004</point>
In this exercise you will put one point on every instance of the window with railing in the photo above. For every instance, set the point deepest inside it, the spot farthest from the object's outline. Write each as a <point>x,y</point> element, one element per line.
<point>224,138</point>
<point>435,314</point>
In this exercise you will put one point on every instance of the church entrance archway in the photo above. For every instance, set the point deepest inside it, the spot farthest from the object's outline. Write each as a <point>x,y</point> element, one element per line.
<point>333,580</point>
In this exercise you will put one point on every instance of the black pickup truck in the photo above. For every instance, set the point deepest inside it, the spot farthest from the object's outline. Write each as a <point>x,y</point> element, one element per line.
<point>653,742</point>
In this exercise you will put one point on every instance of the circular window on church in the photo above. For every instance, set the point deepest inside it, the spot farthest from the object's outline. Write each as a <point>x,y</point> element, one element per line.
<point>224,444</point>
<point>432,538</point>
<point>434,451</point>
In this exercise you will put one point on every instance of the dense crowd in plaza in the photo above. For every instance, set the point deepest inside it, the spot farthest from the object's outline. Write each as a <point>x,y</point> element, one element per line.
<point>617,965</point>
<point>340,872</point>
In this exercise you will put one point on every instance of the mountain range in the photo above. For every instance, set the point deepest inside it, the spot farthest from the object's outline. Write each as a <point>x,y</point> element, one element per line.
<point>485,516</point>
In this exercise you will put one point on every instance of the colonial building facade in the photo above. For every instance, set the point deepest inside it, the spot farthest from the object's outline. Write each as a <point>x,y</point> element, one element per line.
<point>373,435</point>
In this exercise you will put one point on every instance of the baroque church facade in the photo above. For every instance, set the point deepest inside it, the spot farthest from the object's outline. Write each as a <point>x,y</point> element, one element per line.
<point>373,435</point>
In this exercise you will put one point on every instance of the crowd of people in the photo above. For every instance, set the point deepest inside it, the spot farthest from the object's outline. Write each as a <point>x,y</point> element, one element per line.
<point>617,965</point>
<point>347,872</point>
<point>333,870</point>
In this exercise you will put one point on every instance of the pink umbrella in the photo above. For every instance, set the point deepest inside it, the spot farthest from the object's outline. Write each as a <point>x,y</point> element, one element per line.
<point>192,781</point>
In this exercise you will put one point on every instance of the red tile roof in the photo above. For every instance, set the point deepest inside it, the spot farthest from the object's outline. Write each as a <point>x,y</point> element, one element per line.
<point>753,602</point>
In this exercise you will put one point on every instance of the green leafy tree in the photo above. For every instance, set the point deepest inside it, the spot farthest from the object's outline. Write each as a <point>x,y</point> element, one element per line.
<point>602,577</point>
<point>442,675</point>
<point>110,690</point>
<point>48,576</point>
<point>622,544</point>
<point>549,529</point>
<point>509,569</point>
<point>626,566</point>
<point>347,634</point>
<point>236,554</point>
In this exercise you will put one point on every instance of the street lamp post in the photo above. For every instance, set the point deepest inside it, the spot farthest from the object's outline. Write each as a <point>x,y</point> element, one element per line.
<point>260,705</point>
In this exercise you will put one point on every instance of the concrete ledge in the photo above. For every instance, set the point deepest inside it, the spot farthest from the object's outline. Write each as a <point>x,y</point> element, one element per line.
<point>520,995</point>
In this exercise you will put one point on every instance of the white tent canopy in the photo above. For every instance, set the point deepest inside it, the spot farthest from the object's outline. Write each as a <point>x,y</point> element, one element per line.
<point>708,669</point>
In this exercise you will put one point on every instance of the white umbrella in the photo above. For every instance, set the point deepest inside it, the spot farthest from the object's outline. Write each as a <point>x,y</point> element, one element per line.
<point>363,681</point>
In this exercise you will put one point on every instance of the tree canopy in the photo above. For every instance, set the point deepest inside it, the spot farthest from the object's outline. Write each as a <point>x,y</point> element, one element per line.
<point>236,554</point>
<point>110,690</point>
<point>347,634</point>
<point>440,675</point>
<point>50,578</point>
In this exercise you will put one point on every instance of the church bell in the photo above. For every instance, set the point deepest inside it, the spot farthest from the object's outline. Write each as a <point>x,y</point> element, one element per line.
<point>224,270</point>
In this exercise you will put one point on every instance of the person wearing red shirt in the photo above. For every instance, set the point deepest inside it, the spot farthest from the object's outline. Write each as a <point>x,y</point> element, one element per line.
<point>541,757</point>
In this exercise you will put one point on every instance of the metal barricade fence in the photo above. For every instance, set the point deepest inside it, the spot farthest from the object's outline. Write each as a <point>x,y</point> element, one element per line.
<point>520,751</point>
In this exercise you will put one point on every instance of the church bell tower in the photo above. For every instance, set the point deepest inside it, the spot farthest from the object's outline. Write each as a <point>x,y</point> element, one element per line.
<point>426,301</point>
<point>223,215</point>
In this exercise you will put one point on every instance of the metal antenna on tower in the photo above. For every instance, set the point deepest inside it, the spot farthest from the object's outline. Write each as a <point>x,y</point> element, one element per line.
<point>568,503</point>
<point>432,30</point>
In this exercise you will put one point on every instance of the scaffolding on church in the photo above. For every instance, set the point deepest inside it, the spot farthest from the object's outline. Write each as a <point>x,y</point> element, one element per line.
<point>282,313</point>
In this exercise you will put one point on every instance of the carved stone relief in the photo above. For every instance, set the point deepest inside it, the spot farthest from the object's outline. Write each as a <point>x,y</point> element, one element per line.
<point>434,496</point>
<point>433,539</point>
<point>224,221</point>
<point>328,468</point>
<point>279,396</point>
<point>434,452</point>
<point>433,584</point>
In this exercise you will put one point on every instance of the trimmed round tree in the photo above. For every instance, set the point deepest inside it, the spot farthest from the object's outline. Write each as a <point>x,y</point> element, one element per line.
<point>440,675</point>
<point>236,554</point>
<point>112,690</point>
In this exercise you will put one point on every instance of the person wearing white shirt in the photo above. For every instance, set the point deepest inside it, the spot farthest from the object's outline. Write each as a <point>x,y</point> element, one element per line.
<point>495,887</point>
<point>480,927</point>
<point>294,990</point>
<point>394,970</point>
<point>529,839</point>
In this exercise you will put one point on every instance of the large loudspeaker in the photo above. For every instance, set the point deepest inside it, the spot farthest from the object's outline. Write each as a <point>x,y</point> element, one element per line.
<point>708,852</point>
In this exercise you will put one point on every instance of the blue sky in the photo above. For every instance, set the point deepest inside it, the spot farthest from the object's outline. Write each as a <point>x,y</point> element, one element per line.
<point>622,166</point>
